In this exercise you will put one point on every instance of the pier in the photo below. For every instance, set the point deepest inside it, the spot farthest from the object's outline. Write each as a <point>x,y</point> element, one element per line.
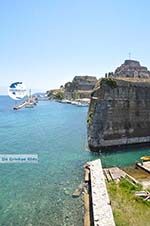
<point>99,203</point>
<point>145,166</point>
<point>113,173</point>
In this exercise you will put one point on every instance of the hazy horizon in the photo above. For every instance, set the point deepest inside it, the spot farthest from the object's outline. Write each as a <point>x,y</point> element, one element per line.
<point>4,90</point>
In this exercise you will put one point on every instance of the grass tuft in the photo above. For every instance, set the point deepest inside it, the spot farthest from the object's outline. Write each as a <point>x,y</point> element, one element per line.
<point>128,210</point>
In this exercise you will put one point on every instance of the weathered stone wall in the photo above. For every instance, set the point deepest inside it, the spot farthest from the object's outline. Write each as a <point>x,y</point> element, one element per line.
<point>119,114</point>
<point>132,69</point>
<point>80,87</point>
<point>81,83</point>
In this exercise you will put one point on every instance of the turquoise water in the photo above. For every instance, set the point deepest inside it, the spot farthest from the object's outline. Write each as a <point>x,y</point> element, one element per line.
<point>41,194</point>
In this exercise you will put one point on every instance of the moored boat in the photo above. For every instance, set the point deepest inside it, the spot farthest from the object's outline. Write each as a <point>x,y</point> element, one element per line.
<point>145,158</point>
<point>29,105</point>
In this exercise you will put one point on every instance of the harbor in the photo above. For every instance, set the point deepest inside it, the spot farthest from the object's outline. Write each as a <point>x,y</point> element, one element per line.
<point>79,144</point>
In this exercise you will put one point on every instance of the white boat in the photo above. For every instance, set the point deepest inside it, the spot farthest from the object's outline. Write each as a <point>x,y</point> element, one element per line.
<point>79,104</point>
<point>74,102</point>
<point>26,104</point>
<point>82,105</point>
<point>66,101</point>
<point>29,105</point>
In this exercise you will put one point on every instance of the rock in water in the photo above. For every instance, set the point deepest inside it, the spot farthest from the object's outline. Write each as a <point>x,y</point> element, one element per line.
<point>78,191</point>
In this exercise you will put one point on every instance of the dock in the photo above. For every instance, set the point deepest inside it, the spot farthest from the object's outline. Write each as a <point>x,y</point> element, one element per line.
<point>145,166</point>
<point>113,173</point>
<point>100,203</point>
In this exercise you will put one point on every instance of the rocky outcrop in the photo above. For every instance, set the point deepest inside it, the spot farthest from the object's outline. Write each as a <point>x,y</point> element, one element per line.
<point>81,83</point>
<point>119,112</point>
<point>132,69</point>
<point>55,94</point>
<point>80,87</point>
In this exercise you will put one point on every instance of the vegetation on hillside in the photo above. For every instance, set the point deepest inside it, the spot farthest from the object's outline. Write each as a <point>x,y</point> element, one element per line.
<point>56,94</point>
<point>59,95</point>
<point>108,81</point>
<point>91,112</point>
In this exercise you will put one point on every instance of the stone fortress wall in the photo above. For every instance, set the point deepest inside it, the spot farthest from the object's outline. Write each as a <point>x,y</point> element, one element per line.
<point>119,112</point>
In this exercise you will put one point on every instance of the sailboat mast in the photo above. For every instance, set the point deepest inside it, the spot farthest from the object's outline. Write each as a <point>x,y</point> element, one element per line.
<point>29,93</point>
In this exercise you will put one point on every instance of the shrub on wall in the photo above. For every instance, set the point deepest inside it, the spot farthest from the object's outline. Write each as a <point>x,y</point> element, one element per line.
<point>108,81</point>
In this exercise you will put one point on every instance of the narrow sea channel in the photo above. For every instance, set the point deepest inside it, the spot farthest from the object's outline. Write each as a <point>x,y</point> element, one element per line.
<point>41,194</point>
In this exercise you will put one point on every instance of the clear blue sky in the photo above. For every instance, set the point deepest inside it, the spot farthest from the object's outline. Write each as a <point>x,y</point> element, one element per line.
<point>45,43</point>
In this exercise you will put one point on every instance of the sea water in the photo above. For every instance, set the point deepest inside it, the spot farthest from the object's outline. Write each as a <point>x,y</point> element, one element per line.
<point>41,194</point>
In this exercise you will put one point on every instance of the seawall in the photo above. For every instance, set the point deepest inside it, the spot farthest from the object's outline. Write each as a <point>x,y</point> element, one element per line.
<point>119,113</point>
